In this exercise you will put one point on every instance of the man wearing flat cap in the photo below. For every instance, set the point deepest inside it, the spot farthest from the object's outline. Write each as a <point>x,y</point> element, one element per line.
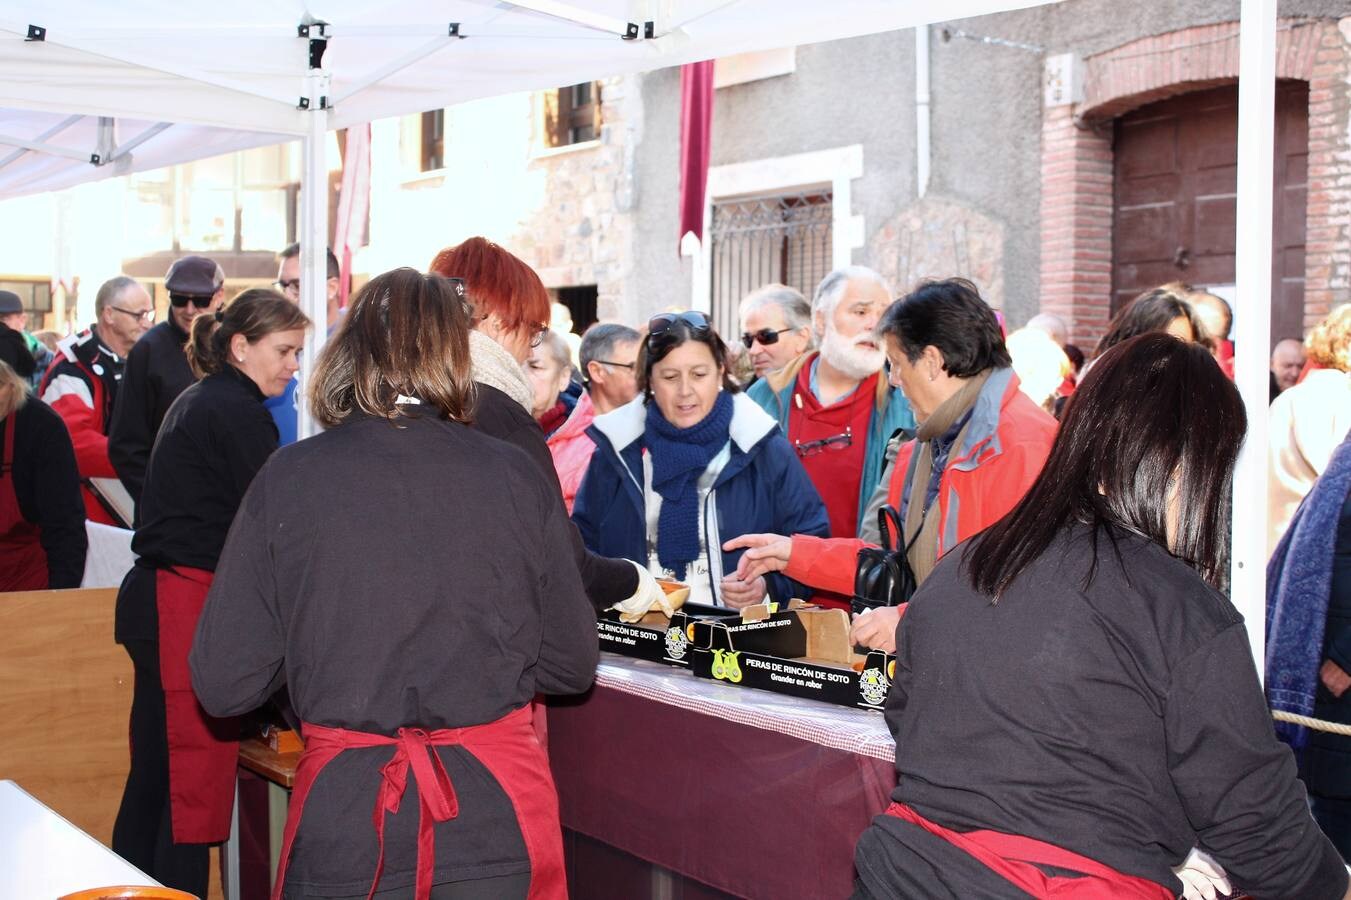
<point>157,369</point>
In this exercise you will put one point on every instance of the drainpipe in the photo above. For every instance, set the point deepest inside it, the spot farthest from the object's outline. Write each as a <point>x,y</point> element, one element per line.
<point>921,109</point>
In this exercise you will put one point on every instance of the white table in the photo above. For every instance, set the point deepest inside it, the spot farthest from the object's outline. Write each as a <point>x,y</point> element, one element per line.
<point>42,856</point>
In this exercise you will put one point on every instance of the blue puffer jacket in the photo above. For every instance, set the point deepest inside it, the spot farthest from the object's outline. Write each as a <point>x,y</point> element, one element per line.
<point>763,488</point>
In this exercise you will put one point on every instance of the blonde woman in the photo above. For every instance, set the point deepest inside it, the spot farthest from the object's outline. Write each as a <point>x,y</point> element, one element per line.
<point>1309,421</point>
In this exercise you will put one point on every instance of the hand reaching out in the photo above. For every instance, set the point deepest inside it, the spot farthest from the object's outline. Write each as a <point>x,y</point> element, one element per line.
<point>764,553</point>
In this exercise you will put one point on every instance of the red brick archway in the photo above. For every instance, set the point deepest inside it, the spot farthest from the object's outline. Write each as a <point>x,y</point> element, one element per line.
<point>1076,170</point>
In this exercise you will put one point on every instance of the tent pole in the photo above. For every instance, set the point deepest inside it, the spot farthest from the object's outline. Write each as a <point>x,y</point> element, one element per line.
<point>1256,149</point>
<point>313,242</point>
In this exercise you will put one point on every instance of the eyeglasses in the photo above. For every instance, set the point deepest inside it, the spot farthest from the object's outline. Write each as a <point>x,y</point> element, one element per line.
<point>181,300</point>
<point>147,316</point>
<point>765,336</point>
<point>537,336</point>
<point>663,322</point>
<point>610,362</point>
<point>286,285</point>
<point>834,442</point>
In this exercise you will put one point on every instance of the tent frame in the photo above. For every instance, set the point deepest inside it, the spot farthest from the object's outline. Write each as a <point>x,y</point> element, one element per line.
<point>647,22</point>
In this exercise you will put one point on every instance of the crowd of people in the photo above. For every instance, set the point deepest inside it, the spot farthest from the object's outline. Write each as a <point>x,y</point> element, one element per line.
<point>1075,705</point>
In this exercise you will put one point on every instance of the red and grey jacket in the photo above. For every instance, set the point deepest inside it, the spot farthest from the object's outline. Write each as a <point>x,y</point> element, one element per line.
<point>81,386</point>
<point>1002,453</point>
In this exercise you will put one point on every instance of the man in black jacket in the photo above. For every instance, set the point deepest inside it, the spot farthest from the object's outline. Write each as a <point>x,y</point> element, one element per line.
<point>157,370</point>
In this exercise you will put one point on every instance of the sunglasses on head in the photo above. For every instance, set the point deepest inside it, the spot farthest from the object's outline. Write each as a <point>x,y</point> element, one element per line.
<point>765,336</point>
<point>181,300</point>
<point>664,322</point>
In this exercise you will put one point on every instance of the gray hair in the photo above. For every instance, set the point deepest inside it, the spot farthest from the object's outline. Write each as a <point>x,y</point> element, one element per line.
<point>797,312</point>
<point>1051,324</point>
<point>599,342</point>
<point>558,349</point>
<point>110,291</point>
<point>831,288</point>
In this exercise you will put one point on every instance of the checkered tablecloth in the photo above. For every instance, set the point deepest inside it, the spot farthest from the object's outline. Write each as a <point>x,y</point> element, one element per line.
<point>838,727</point>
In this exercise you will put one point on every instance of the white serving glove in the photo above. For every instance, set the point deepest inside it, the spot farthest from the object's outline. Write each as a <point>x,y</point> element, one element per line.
<point>648,596</point>
<point>1202,878</point>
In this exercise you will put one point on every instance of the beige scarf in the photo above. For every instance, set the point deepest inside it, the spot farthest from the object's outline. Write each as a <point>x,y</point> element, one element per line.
<point>495,367</point>
<point>923,554</point>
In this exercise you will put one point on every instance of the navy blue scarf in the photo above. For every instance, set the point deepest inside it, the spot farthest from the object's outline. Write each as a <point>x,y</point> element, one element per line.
<point>1299,586</point>
<point>679,457</point>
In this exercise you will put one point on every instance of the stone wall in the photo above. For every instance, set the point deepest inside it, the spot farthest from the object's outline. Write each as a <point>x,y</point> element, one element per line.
<point>582,232</point>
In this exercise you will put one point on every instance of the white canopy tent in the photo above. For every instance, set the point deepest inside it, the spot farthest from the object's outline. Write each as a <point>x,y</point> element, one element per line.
<point>91,89</point>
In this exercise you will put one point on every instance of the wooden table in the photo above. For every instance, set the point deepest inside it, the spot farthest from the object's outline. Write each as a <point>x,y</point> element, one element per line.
<point>260,759</point>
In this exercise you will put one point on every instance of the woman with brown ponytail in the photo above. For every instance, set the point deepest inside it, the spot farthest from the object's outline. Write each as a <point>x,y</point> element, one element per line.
<point>214,439</point>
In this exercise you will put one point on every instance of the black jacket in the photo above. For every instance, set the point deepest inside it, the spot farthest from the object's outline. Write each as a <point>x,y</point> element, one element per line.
<point>14,350</point>
<point>1123,721</point>
<point>47,486</point>
<point>391,576</point>
<point>157,371</point>
<point>215,438</point>
<point>607,581</point>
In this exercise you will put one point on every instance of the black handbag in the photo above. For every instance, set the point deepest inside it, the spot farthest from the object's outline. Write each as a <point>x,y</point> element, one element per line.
<point>883,576</point>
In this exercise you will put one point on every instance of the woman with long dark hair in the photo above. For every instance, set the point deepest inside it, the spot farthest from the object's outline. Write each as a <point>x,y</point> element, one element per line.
<point>1158,309</point>
<point>411,580</point>
<point>214,439</point>
<point>1075,704</point>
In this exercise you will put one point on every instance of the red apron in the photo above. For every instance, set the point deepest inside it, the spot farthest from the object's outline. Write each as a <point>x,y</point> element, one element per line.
<point>1016,858</point>
<point>23,562</point>
<point>203,750</point>
<point>509,750</point>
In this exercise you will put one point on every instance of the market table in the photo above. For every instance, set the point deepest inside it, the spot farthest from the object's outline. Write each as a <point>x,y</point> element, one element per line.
<point>749,792</point>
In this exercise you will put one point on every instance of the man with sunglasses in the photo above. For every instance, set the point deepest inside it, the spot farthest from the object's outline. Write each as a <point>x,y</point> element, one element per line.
<point>776,327</point>
<point>157,369</point>
<point>835,404</point>
<point>83,381</point>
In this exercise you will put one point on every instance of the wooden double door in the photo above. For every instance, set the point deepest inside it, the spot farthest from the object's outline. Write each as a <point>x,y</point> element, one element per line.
<point>1174,210</point>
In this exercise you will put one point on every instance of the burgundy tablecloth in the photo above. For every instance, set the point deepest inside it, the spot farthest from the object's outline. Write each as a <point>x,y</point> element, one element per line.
<point>653,763</point>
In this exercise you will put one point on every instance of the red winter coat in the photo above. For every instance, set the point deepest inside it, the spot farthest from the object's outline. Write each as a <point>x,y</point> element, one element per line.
<point>1001,455</point>
<point>81,385</point>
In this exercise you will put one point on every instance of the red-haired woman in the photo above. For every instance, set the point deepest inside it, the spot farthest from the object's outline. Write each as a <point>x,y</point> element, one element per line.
<point>511,315</point>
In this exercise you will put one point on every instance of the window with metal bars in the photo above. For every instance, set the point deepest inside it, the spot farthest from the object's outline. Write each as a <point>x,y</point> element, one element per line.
<point>754,241</point>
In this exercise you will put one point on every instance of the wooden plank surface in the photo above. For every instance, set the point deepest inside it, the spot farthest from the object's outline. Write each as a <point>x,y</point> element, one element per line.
<point>64,703</point>
<point>260,759</point>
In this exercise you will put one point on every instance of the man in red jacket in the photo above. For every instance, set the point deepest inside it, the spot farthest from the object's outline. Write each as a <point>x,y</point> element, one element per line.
<point>980,444</point>
<point>81,383</point>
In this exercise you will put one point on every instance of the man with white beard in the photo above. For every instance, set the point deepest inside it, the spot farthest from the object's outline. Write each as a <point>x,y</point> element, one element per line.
<point>835,405</point>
